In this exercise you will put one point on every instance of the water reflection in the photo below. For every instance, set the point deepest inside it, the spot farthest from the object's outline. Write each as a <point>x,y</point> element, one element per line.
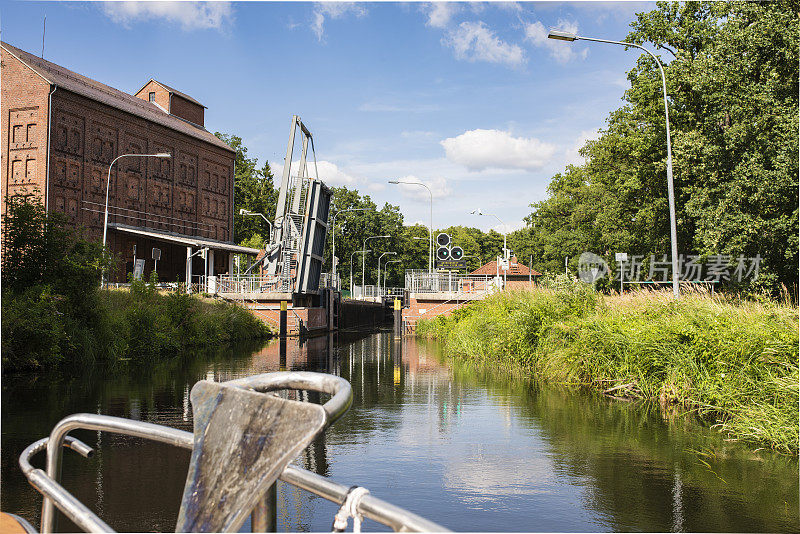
<point>464,445</point>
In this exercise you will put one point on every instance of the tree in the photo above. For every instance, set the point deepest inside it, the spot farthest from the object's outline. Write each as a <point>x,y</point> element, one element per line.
<point>254,191</point>
<point>732,73</point>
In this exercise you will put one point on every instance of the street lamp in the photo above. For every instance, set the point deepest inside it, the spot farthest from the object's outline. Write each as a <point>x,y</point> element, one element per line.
<point>568,36</point>
<point>386,270</point>
<point>243,212</point>
<point>364,257</point>
<point>333,238</point>
<point>379,269</point>
<point>351,267</point>
<point>430,243</point>
<point>505,249</point>
<point>108,187</point>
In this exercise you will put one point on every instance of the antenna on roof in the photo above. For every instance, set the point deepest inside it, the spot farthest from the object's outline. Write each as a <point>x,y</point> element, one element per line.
<point>44,28</point>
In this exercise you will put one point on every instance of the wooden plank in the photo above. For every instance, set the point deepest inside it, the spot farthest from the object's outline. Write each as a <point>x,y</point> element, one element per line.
<point>243,440</point>
<point>9,525</point>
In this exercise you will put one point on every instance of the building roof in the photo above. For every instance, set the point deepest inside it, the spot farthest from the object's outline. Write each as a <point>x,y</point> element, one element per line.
<point>182,239</point>
<point>99,92</point>
<point>171,90</point>
<point>514,270</point>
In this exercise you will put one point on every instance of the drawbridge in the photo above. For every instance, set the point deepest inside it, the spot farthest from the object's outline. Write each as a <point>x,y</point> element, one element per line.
<point>292,263</point>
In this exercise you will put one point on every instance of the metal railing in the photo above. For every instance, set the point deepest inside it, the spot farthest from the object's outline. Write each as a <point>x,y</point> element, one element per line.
<point>425,282</point>
<point>328,280</point>
<point>55,496</point>
<point>249,284</point>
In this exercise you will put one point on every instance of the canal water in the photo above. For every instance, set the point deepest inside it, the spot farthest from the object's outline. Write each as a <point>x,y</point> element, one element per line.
<point>473,449</point>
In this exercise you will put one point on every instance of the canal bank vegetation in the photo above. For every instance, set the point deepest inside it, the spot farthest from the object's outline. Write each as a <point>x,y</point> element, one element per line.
<point>734,364</point>
<point>55,315</point>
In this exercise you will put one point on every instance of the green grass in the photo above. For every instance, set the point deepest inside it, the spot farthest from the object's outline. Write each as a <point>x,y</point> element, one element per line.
<point>41,330</point>
<point>733,364</point>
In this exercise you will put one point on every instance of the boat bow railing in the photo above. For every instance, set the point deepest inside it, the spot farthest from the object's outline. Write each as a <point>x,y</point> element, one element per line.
<point>206,403</point>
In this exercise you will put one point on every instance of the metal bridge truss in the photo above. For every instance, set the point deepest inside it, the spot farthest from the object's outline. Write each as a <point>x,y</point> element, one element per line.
<point>297,243</point>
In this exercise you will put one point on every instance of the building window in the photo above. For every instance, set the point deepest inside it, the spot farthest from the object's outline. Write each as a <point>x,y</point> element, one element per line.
<point>152,97</point>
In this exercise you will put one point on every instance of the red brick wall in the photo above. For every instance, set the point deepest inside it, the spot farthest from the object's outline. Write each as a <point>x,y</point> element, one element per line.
<point>24,129</point>
<point>180,107</point>
<point>161,94</point>
<point>432,309</point>
<point>311,317</point>
<point>189,194</point>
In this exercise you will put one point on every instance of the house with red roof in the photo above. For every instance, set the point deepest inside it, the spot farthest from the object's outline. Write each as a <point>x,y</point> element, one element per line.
<point>518,276</point>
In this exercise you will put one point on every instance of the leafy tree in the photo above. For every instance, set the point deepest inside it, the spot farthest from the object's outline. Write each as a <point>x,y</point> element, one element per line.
<point>732,71</point>
<point>50,277</point>
<point>254,191</point>
<point>353,227</point>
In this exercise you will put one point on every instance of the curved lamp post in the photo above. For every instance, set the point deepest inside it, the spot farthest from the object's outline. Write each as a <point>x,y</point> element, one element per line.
<point>364,257</point>
<point>333,239</point>
<point>351,267</point>
<point>243,212</point>
<point>505,248</point>
<point>568,36</point>
<point>164,155</point>
<point>430,243</point>
<point>379,269</point>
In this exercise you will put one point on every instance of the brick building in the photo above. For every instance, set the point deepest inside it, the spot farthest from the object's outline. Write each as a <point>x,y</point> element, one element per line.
<point>60,133</point>
<point>519,276</point>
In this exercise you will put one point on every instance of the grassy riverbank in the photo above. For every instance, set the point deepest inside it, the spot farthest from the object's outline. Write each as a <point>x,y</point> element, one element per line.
<point>41,330</point>
<point>734,364</point>
<point>55,316</point>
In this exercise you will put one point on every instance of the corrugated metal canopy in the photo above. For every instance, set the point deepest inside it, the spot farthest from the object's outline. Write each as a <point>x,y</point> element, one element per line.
<point>183,240</point>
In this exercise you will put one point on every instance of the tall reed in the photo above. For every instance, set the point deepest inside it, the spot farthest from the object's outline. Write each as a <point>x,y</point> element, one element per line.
<point>733,363</point>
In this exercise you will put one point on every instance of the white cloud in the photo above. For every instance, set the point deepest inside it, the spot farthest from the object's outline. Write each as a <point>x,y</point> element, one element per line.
<point>329,173</point>
<point>482,149</point>
<point>438,188</point>
<point>190,15</point>
<point>573,157</point>
<point>440,13</point>
<point>561,51</point>
<point>474,41</point>
<point>333,10</point>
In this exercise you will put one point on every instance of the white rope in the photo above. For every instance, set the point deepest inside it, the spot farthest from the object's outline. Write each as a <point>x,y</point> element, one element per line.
<point>350,509</point>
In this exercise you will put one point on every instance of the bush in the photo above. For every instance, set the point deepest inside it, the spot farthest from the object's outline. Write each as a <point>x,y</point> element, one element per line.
<point>54,314</point>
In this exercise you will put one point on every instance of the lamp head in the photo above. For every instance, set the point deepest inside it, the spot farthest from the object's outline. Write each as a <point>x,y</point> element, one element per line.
<point>561,35</point>
<point>393,182</point>
<point>243,211</point>
<point>163,155</point>
<point>477,212</point>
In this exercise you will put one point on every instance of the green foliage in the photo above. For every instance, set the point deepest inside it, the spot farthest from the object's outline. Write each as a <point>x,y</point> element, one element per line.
<point>54,314</point>
<point>254,191</point>
<point>732,82</point>
<point>735,364</point>
<point>353,227</point>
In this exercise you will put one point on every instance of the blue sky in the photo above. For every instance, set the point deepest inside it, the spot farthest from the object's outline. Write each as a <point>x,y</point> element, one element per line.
<point>468,98</point>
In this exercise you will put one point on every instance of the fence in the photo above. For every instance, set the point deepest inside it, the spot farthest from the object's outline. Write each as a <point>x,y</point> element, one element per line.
<point>328,280</point>
<point>419,281</point>
<point>249,284</point>
<point>376,292</point>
